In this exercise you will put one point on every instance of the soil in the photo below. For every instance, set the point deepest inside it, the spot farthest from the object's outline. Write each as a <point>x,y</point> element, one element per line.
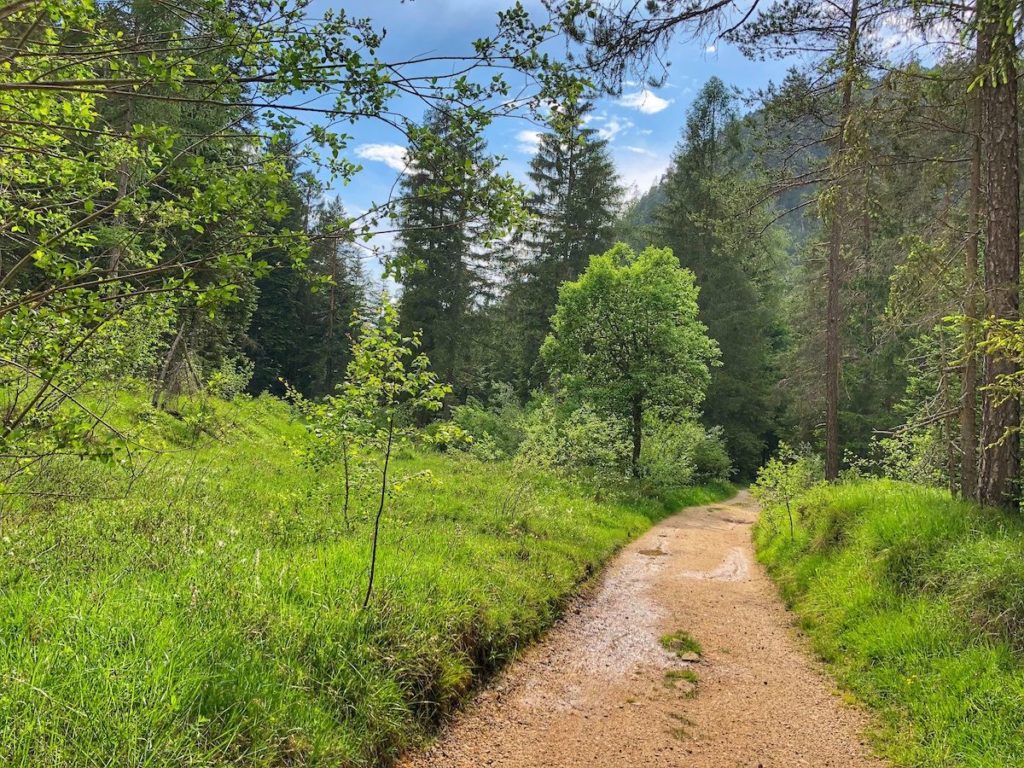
<point>608,687</point>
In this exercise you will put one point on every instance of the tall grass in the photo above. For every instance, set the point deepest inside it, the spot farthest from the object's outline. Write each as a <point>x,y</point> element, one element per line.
<point>917,600</point>
<point>208,613</point>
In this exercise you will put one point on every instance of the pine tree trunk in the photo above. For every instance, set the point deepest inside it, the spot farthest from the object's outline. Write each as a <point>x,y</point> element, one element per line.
<point>637,428</point>
<point>835,258</point>
<point>1000,417</point>
<point>163,379</point>
<point>969,376</point>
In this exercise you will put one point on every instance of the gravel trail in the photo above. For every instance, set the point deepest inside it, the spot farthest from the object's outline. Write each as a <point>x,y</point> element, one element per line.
<point>600,690</point>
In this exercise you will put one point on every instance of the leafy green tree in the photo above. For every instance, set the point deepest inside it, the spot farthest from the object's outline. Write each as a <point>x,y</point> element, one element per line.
<point>626,337</point>
<point>388,383</point>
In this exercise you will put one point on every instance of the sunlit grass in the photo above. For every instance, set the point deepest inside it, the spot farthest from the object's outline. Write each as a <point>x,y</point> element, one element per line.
<point>211,616</point>
<point>917,600</point>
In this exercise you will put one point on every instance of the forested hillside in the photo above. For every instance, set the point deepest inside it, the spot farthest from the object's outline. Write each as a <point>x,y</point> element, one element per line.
<point>292,458</point>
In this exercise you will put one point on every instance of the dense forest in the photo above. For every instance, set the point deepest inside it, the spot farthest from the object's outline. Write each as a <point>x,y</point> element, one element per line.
<point>836,231</point>
<point>203,351</point>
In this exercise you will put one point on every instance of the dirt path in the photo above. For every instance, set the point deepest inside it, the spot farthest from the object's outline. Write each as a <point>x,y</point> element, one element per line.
<point>600,690</point>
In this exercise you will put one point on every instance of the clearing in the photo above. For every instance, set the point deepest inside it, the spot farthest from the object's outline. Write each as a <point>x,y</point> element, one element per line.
<point>683,655</point>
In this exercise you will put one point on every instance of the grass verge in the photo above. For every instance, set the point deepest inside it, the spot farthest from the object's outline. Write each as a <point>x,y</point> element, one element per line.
<point>207,613</point>
<point>917,602</point>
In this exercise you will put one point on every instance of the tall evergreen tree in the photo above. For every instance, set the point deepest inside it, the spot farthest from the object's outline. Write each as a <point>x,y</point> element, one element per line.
<point>298,330</point>
<point>342,291</point>
<point>711,220</point>
<point>445,264</point>
<point>575,203</point>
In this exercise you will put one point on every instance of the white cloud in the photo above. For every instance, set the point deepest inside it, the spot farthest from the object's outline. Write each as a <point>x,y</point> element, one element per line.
<point>392,155</point>
<point>640,151</point>
<point>644,100</point>
<point>610,127</point>
<point>711,48</point>
<point>528,141</point>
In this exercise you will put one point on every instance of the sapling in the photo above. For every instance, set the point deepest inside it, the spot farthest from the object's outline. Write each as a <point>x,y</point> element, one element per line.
<point>788,474</point>
<point>387,384</point>
<point>335,428</point>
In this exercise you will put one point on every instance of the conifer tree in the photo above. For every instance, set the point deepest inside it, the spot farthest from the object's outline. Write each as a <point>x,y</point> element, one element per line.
<point>443,269</point>
<point>712,222</point>
<point>575,203</point>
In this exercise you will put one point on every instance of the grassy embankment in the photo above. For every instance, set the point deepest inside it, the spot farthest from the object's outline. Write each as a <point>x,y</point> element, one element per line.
<point>917,601</point>
<point>209,616</point>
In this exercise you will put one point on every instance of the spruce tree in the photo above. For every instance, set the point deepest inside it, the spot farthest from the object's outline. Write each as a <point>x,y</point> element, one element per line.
<point>575,204</point>
<point>711,220</point>
<point>444,261</point>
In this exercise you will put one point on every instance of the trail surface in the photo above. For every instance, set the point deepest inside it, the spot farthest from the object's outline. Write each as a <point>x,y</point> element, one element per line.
<point>601,690</point>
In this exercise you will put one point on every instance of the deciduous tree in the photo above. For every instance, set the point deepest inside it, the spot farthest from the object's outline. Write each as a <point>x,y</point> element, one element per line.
<point>626,337</point>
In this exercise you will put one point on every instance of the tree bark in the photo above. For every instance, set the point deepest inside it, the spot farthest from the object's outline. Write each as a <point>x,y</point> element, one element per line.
<point>969,375</point>
<point>637,428</point>
<point>1000,416</point>
<point>835,257</point>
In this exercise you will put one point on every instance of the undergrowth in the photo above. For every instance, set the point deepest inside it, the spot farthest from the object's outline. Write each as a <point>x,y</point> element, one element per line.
<point>206,612</point>
<point>917,600</point>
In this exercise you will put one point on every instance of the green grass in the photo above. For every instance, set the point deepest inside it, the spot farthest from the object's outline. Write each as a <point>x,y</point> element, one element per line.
<point>681,643</point>
<point>917,601</point>
<point>207,614</point>
<point>684,680</point>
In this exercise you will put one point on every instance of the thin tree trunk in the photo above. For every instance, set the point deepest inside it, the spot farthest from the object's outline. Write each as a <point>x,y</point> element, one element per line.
<point>380,511</point>
<point>348,483</point>
<point>638,423</point>
<point>1000,417</point>
<point>165,370</point>
<point>835,259</point>
<point>969,376</point>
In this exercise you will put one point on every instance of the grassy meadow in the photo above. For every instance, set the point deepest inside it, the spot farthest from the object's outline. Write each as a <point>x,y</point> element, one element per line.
<point>917,602</point>
<point>206,612</point>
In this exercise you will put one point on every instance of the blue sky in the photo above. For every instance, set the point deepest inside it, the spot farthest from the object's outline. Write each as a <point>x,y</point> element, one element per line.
<point>642,125</point>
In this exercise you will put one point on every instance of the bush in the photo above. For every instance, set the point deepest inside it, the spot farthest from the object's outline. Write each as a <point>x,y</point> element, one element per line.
<point>231,378</point>
<point>575,440</point>
<point>666,458</point>
<point>711,462</point>
<point>496,428</point>
<point>915,457</point>
<point>680,453</point>
<point>788,474</point>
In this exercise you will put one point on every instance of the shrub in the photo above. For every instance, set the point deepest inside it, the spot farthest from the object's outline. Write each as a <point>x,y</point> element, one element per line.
<point>575,440</point>
<point>788,474</point>
<point>231,378</point>
<point>496,428</point>
<point>666,459</point>
<point>915,457</point>
<point>680,453</point>
<point>711,462</point>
